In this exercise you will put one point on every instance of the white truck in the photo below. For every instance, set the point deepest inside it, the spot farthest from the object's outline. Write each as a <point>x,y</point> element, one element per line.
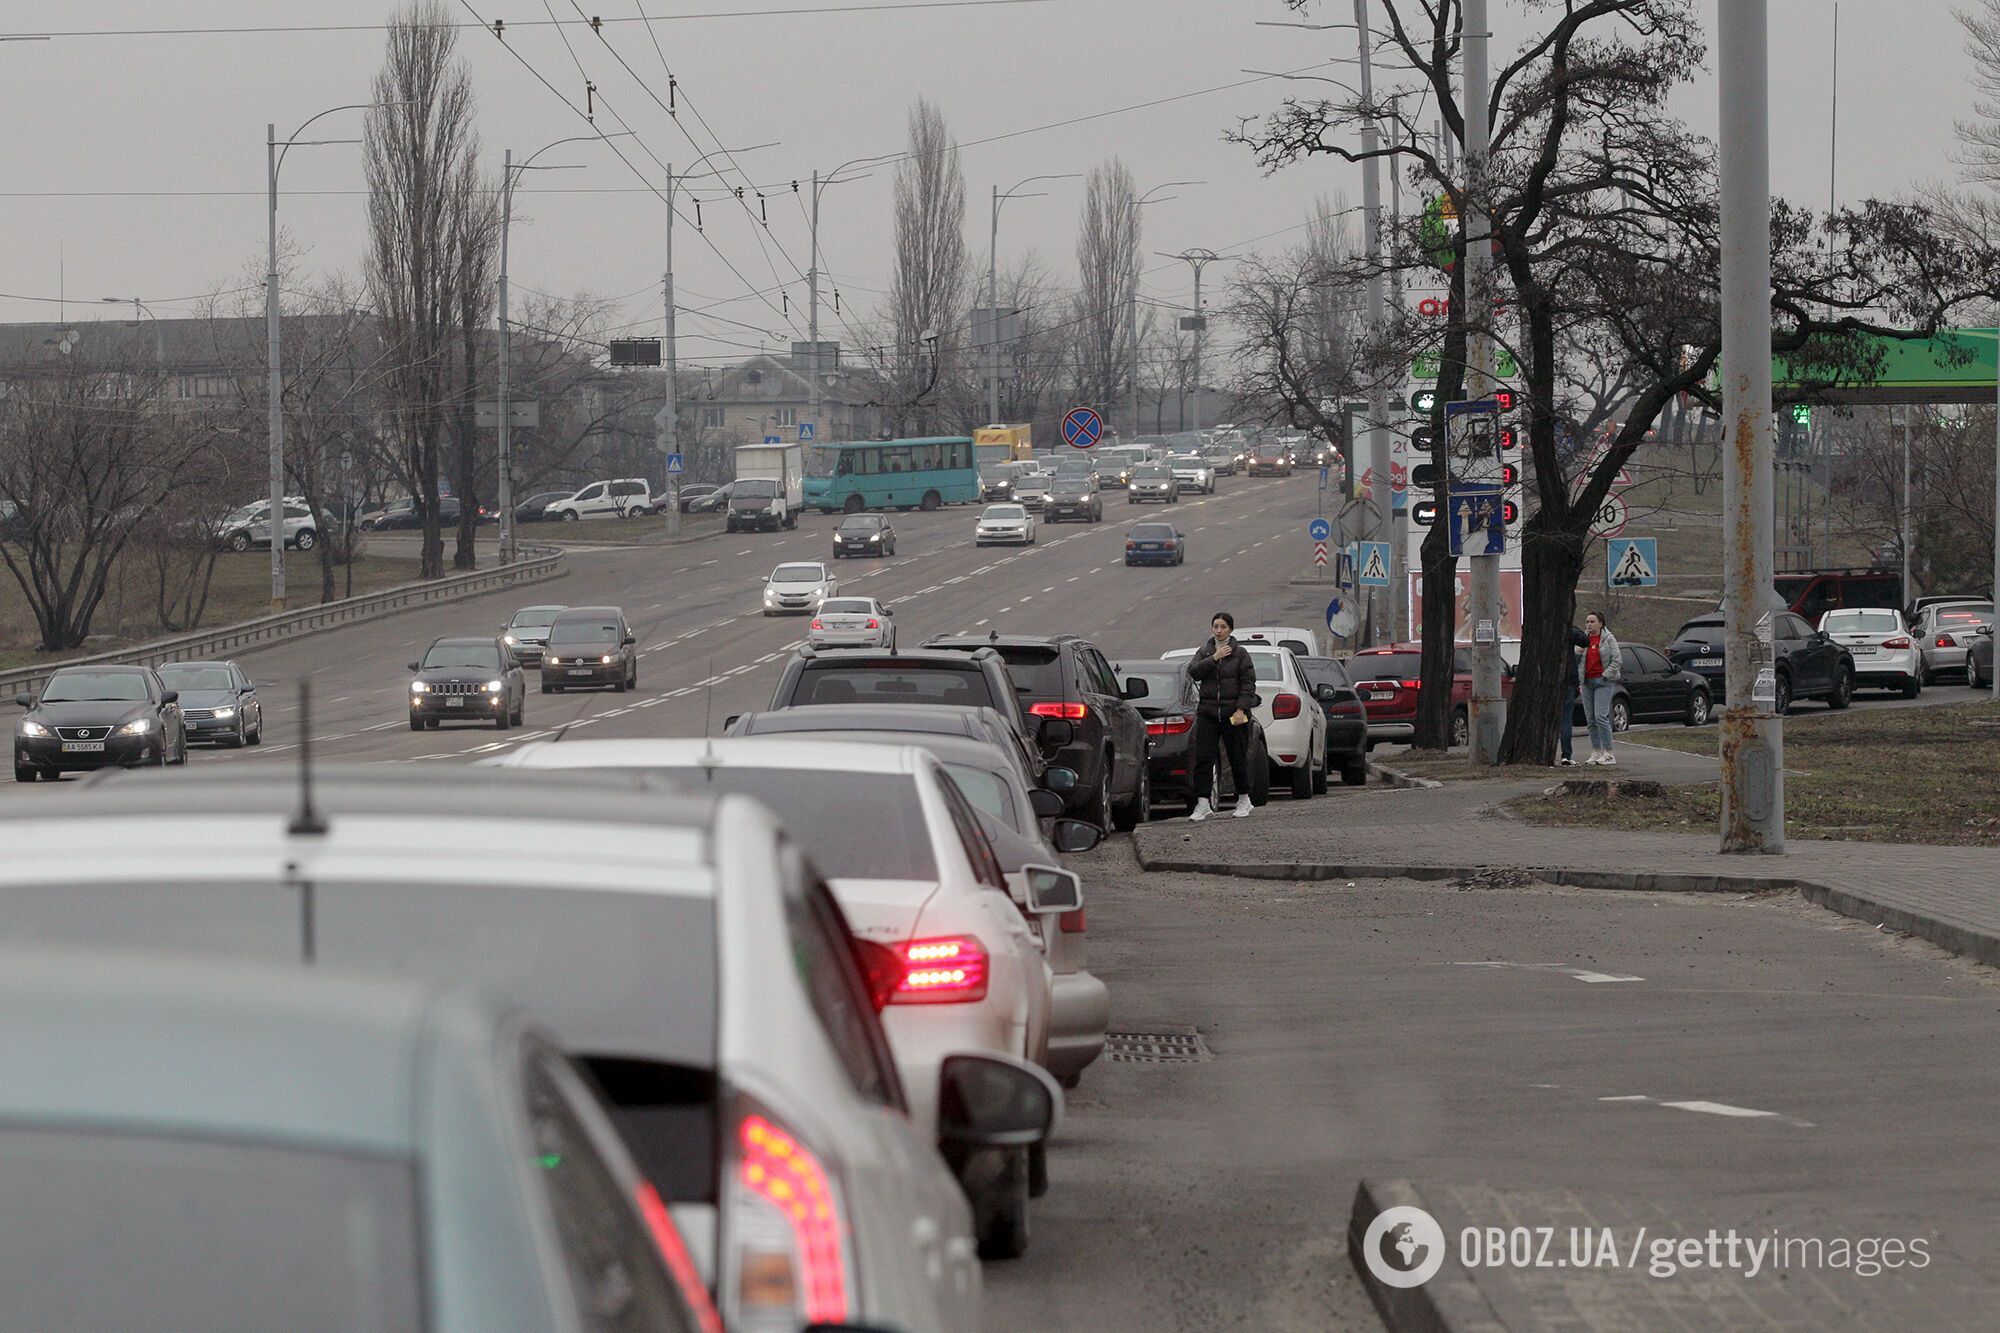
<point>770,487</point>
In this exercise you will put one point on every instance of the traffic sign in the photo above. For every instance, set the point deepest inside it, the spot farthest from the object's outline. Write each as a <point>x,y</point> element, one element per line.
<point>1610,519</point>
<point>1323,474</point>
<point>1082,428</point>
<point>1373,561</point>
<point>1632,562</point>
<point>1319,529</point>
<point>1423,400</point>
<point>1478,520</point>
<point>674,468</point>
<point>1472,441</point>
<point>1319,553</point>
<point>805,432</point>
<point>1339,618</point>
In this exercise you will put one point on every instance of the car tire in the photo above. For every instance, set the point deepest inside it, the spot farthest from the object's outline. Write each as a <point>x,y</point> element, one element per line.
<point>1781,704</point>
<point>239,542</point>
<point>1000,1213</point>
<point>1914,687</point>
<point>1354,774</point>
<point>257,736</point>
<point>1140,808</point>
<point>25,774</point>
<point>521,711</point>
<point>1461,729</point>
<point>1322,776</point>
<point>1843,690</point>
<point>548,688</point>
<point>240,739</point>
<point>931,501</point>
<point>1621,715</point>
<point>305,541</point>
<point>836,553</point>
<point>618,686</point>
<point>1098,811</point>
<point>1698,708</point>
<point>503,720</point>
<point>570,516</point>
<point>1301,779</point>
<point>1260,782</point>
<point>1038,1169</point>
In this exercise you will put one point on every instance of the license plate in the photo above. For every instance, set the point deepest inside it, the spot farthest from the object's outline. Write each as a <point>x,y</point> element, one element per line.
<point>1706,661</point>
<point>1862,650</point>
<point>83,747</point>
<point>454,703</point>
<point>1381,694</point>
<point>579,671</point>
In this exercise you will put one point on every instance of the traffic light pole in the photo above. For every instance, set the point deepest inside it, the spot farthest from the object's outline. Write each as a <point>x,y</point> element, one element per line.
<point>1378,400</point>
<point>1487,711</point>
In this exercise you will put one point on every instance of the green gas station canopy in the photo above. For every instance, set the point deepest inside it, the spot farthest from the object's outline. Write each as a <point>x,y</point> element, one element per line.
<point>1956,366</point>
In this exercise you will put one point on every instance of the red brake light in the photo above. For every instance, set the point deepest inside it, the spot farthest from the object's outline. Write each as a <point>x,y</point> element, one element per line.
<point>874,624</point>
<point>1175,725</point>
<point>881,967</point>
<point>1071,922</point>
<point>1131,546</point>
<point>1944,641</point>
<point>667,1237</point>
<point>949,969</point>
<point>1285,705</point>
<point>1409,684</point>
<point>783,1174</point>
<point>1068,712</point>
<point>1895,643</point>
<point>1346,708</point>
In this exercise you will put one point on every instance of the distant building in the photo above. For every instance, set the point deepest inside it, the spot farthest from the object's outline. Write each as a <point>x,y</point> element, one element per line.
<point>770,395</point>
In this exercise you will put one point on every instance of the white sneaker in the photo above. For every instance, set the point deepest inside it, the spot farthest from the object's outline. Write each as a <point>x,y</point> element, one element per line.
<point>1565,762</point>
<point>1609,760</point>
<point>1243,807</point>
<point>1202,810</point>
<point>1595,757</point>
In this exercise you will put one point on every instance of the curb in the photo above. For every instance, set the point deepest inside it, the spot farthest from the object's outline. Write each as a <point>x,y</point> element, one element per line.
<point>1448,1303</point>
<point>1396,777</point>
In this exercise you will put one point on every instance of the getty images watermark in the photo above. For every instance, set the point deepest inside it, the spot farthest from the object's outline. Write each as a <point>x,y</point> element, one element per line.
<point>1405,1247</point>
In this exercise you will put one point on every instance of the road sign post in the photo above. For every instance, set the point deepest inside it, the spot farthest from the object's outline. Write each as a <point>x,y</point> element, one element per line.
<point>1371,563</point>
<point>805,432</point>
<point>1632,562</point>
<point>1082,428</point>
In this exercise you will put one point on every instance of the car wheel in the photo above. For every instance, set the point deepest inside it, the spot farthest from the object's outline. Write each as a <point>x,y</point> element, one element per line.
<point>416,724</point>
<point>1697,714</point>
<point>257,736</point>
<point>618,686</point>
<point>548,688</point>
<point>1913,687</point>
<point>1141,807</point>
<point>1301,779</point>
<point>434,723</point>
<point>569,516</point>
<point>1000,1213</point>
<point>241,738</point>
<point>305,541</point>
<point>1038,1170</point>
<point>1461,730</point>
<point>932,501</point>
<point>1098,812</point>
<point>1260,779</point>
<point>521,710</point>
<point>25,774</point>
<point>1782,702</point>
<point>239,541</point>
<point>1924,672</point>
<point>1322,775</point>
<point>1355,773</point>
<point>1843,690</point>
<point>1621,714</point>
<point>504,719</point>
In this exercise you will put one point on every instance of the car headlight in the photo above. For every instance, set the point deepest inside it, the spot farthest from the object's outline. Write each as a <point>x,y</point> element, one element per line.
<point>495,686</point>
<point>138,726</point>
<point>553,660</point>
<point>604,660</point>
<point>418,687</point>
<point>875,537</point>
<point>33,728</point>
<point>223,714</point>
<point>770,595</point>
<point>508,639</point>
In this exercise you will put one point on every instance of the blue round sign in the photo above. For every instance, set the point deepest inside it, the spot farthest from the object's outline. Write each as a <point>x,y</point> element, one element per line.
<point>1082,428</point>
<point>1319,529</point>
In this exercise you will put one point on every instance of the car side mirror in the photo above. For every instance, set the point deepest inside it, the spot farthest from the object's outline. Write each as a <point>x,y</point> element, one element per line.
<point>415,667</point>
<point>1135,688</point>
<point>1075,835</point>
<point>1056,731</point>
<point>24,701</point>
<point>1326,694</point>
<point>887,612</point>
<point>1045,803</point>
<point>170,696</point>
<point>1059,778</point>
<point>246,688</point>
<point>995,1101</point>
<point>627,641</point>
<point>1053,890</point>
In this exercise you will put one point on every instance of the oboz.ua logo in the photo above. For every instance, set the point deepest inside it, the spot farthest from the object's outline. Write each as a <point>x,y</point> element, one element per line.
<point>1403,1247</point>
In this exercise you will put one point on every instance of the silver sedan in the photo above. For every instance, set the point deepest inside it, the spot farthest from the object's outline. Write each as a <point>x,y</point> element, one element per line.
<point>852,622</point>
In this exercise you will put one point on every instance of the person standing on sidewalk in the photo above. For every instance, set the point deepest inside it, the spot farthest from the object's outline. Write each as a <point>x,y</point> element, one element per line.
<point>1577,642</point>
<point>1601,673</point>
<point>1228,691</point>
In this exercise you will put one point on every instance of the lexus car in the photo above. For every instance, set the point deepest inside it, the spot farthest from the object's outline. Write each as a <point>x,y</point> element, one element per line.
<point>98,717</point>
<point>466,680</point>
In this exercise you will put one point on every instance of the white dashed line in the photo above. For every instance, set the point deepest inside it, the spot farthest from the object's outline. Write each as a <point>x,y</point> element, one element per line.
<point>979,622</point>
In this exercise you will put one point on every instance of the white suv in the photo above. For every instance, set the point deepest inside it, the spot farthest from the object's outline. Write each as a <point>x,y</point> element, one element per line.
<point>1294,722</point>
<point>251,526</point>
<point>624,497</point>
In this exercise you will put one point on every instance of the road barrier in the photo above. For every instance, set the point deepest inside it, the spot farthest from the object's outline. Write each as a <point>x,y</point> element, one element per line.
<point>536,563</point>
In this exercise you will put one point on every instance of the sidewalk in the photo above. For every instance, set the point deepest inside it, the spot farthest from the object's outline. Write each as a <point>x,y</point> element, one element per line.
<point>1947,895</point>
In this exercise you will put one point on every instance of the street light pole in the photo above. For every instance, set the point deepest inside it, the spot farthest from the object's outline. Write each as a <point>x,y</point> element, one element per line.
<point>502,385</point>
<point>993,287</point>
<point>1132,316</point>
<point>1378,401</point>
<point>1197,260</point>
<point>819,183</point>
<point>1487,712</point>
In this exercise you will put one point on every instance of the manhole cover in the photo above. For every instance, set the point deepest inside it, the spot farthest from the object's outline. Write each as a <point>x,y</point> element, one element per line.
<point>1174,1046</point>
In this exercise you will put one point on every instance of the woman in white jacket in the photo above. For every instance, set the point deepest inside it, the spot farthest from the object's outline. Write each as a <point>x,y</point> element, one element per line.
<point>1600,674</point>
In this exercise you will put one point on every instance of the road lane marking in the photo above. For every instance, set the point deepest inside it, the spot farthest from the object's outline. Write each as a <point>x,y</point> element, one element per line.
<point>1718,1108</point>
<point>1044,590</point>
<point>1574,973</point>
<point>978,623</point>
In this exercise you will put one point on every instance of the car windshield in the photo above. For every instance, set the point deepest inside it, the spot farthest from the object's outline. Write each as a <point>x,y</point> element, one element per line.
<point>852,825</point>
<point>1323,671</point>
<point>994,472</point>
<point>1071,486</point>
<point>861,523</point>
<point>189,678</point>
<point>1154,472</point>
<point>1960,617</point>
<point>1155,532</point>
<point>1386,666</point>
<point>479,656</point>
<point>1708,633</point>
<point>1862,622</point>
<point>847,606</point>
<point>1185,460</point>
<point>186,1230</point>
<point>66,687</point>
<point>986,790</point>
<point>1004,512</point>
<point>534,617</point>
<point>1166,685</point>
<point>1269,667</point>
<point>755,489</point>
<point>798,574</point>
<point>839,683</point>
<point>564,632</point>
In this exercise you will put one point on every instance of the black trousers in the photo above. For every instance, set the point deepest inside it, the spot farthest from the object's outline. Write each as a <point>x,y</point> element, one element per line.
<point>1208,731</point>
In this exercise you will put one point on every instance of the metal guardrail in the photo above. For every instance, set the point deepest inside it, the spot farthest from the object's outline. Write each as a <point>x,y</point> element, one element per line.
<point>537,563</point>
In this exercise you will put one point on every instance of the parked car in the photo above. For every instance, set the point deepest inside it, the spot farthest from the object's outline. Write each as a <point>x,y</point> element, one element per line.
<point>909,678</point>
<point>1155,544</point>
<point>1004,524</point>
<point>1390,679</point>
<point>218,702</point>
<point>1942,631</point>
<point>1296,638</point>
<point>864,535</point>
<point>1294,726</point>
<point>1346,716</point>
<point>1808,664</point>
<point>1153,481</point>
<point>1979,658</point>
<point>1064,678</point>
<point>689,493</point>
<point>852,622</point>
<point>620,497</point>
<point>1811,593</point>
<point>1074,497</point>
<point>1194,472</point>
<point>527,632</point>
<point>798,587</point>
<point>979,723</point>
<point>250,527</point>
<point>1169,707</point>
<point>241,1146</point>
<point>467,680</point>
<point>1885,653</point>
<point>535,508</point>
<point>590,645</point>
<point>916,877</point>
<point>403,515</point>
<point>715,502</point>
<point>1653,689</point>
<point>98,717</point>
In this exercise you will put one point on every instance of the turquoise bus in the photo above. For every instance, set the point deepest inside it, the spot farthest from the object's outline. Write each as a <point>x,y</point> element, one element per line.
<point>881,474</point>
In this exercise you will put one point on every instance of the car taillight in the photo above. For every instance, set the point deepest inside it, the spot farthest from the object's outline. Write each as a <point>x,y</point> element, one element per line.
<point>881,967</point>
<point>1068,712</point>
<point>1131,546</point>
<point>874,624</point>
<point>791,1260</point>
<point>816,624</point>
<point>1408,684</point>
<point>1944,641</point>
<point>1346,708</point>
<point>948,969</point>
<point>1285,705</point>
<point>1895,643</point>
<point>680,1264</point>
<point>1071,922</point>
<point>1176,725</point>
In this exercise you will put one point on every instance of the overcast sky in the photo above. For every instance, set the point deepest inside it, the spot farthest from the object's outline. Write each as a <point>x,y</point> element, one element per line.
<point>134,165</point>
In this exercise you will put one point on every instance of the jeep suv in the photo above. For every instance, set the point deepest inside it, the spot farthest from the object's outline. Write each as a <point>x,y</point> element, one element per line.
<point>1066,679</point>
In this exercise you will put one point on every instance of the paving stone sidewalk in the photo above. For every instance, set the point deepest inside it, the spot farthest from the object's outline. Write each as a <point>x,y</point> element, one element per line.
<point>1948,895</point>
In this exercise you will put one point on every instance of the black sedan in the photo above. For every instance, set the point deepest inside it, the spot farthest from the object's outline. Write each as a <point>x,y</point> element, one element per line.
<point>1155,544</point>
<point>1654,690</point>
<point>1169,709</point>
<point>467,680</point>
<point>218,702</point>
<point>1979,658</point>
<point>1807,663</point>
<point>530,509</point>
<point>863,535</point>
<point>1346,717</point>
<point>98,717</point>
<point>715,502</point>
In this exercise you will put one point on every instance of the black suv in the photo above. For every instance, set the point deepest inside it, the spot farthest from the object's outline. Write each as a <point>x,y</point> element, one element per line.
<point>590,645</point>
<point>467,680</point>
<point>1066,679</point>
<point>1074,497</point>
<point>899,679</point>
<point>1809,664</point>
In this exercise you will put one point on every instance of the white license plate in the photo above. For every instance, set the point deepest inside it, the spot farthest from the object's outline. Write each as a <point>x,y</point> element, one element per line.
<point>454,703</point>
<point>1706,661</point>
<point>579,671</point>
<point>1381,694</point>
<point>1862,650</point>
<point>83,747</point>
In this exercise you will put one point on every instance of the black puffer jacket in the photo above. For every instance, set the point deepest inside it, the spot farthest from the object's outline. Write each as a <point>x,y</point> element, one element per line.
<point>1227,683</point>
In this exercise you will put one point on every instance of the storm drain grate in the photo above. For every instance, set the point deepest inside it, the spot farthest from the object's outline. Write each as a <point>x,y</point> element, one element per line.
<point>1176,1046</point>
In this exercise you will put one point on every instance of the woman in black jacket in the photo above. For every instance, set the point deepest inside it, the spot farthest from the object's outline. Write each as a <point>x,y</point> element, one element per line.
<point>1228,691</point>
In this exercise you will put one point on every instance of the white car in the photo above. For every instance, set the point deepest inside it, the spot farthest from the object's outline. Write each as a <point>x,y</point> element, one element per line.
<point>1193,472</point>
<point>621,497</point>
<point>251,526</point>
<point>1944,631</point>
<point>852,622</point>
<point>1885,654</point>
<point>1294,723</point>
<point>903,852</point>
<point>1009,523</point>
<point>799,588</point>
<point>1299,639</point>
<point>680,947</point>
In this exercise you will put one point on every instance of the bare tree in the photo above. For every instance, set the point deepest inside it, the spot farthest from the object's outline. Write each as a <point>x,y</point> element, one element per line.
<point>474,225</point>
<point>1107,250</point>
<point>1301,317</point>
<point>930,290</point>
<point>419,144</point>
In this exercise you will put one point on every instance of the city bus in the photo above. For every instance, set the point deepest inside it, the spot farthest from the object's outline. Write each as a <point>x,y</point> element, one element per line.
<point>881,474</point>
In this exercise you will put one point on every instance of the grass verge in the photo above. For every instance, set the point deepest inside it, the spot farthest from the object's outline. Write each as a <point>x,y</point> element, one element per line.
<point>1921,776</point>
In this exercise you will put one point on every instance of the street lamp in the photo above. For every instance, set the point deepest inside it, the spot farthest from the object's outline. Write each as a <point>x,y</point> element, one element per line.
<point>819,183</point>
<point>1197,260</point>
<point>993,284</point>
<point>139,308</point>
<point>274,160</point>
<point>1133,316</point>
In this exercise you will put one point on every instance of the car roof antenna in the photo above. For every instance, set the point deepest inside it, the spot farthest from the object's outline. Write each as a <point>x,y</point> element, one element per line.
<point>307,822</point>
<point>708,703</point>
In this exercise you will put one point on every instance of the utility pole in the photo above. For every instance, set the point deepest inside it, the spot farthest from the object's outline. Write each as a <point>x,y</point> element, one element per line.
<point>1399,579</point>
<point>1132,317</point>
<point>275,426</point>
<point>502,385</point>
<point>669,418</point>
<point>812,302</point>
<point>1908,562</point>
<point>1488,709</point>
<point>1197,260</point>
<point>993,313</point>
<point>1753,746</point>
<point>1371,222</point>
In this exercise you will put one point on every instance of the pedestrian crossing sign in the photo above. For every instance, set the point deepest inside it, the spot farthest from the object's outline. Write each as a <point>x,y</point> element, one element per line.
<point>673,465</point>
<point>1372,564</point>
<point>1632,562</point>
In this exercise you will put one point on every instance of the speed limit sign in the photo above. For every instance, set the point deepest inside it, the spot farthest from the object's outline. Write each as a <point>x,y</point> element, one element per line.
<point>1611,517</point>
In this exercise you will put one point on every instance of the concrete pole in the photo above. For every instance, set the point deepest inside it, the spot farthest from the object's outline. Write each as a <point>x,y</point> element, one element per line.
<point>276,427</point>
<point>1132,319</point>
<point>993,314</point>
<point>1378,398</point>
<point>1488,709</point>
<point>670,412</point>
<point>812,299</point>
<point>1399,584</point>
<point>1996,505</point>
<point>1908,562</point>
<point>502,382</point>
<point>1198,331</point>
<point>1753,752</point>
